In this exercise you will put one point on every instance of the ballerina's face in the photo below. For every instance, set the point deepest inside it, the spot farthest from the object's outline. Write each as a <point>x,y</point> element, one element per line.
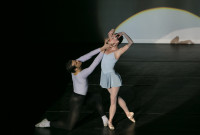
<point>114,39</point>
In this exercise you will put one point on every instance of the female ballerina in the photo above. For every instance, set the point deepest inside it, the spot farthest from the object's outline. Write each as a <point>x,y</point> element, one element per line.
<point>109,78</point>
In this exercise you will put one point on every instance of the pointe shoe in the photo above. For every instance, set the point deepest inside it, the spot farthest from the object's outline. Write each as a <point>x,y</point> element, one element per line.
<point>43,123</point>
<point>130,117</point>
<point>110,125</point>
<point>105,122</point>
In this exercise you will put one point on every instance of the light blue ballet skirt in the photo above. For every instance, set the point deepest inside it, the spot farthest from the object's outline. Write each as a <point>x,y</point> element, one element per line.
<point>109,78</point>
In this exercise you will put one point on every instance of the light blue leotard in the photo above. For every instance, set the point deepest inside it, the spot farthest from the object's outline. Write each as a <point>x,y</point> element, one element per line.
<point>109,78</point>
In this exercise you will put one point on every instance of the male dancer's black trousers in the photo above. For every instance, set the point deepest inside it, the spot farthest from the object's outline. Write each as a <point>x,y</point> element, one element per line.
<point>75,105</point>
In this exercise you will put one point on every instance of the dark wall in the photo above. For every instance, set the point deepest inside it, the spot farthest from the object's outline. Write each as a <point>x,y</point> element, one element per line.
<point>50,21</point>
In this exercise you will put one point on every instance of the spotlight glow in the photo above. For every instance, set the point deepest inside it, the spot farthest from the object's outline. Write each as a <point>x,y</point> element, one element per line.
<point>161,25</point>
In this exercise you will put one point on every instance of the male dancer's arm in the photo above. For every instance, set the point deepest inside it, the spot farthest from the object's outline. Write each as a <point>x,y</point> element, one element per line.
<point>92,53</point>
<point>89,55</point>
<point>87,71</point>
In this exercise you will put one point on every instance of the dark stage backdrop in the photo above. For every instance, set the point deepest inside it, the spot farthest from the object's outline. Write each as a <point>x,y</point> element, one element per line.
<point>88,21</point>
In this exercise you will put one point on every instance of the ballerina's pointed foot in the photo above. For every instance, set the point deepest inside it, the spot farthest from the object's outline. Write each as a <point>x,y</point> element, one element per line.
<point>110,125</point>
<point>130,117</point>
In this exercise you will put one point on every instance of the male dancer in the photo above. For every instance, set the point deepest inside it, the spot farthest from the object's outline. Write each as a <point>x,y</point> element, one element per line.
<point>80,88</point>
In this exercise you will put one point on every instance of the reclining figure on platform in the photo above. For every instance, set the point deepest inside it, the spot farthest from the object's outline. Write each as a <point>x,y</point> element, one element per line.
<point>176,41</point>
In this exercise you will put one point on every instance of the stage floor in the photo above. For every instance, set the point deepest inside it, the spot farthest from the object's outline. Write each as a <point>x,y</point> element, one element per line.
<point>160,84</point>
<point>147,124</point>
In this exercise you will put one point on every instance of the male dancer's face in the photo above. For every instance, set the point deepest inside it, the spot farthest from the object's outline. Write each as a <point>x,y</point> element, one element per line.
<point>76,63</point>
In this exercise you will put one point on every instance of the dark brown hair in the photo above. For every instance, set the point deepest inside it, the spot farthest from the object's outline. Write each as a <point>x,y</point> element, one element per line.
<point>120,39</point>
<point>69,67</point>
